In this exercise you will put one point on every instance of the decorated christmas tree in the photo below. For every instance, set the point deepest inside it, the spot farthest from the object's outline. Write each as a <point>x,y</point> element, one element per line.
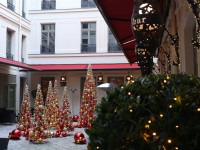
<point>24,122</point>
<point>52,111</point>
<point>39,129</point>
<point>88,103</point>
<point>66,123</point>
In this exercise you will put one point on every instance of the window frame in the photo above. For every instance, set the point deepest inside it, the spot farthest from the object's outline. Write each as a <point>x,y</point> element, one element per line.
<point>88,30</point>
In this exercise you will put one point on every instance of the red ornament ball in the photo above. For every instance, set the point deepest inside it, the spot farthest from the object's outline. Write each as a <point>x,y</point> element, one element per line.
<point>83,140</point>
<point>78,137</point>
<point>57,134</point>
<point>75,118</point>
<point>15,134</point>
<point>64,134</point>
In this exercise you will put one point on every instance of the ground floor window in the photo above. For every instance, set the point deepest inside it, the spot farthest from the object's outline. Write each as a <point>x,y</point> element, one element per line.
<point>7,91</point>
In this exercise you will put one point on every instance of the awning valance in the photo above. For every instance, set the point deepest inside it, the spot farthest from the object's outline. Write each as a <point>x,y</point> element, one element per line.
<point>16,64</point>
<point>79,67</point>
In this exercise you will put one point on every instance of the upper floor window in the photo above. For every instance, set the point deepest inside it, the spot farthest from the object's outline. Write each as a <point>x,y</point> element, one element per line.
<point>9,54</point>
<point>10,5</point>
<point>48,4</point>
<point>87,3</point>
<point>48,39</point>
<point>113,46</point>
<point>88,37</point>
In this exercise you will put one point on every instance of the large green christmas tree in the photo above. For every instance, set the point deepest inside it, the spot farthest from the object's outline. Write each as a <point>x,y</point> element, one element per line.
<point>156,112</point>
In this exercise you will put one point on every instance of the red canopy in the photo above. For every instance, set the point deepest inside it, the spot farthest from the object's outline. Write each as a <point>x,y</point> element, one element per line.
<point>117,14</point>
<point>16,64</point>
<point>77,67</point>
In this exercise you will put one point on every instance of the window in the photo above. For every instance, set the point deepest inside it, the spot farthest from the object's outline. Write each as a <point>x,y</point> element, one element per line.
<point>10,5</point>
<point>113,46</point>
<point>9,54</point>
<point>7,91</point>
<point>48,4</point>
<point>88,38</point>
<point>87,4</point>
<point>48,39</point>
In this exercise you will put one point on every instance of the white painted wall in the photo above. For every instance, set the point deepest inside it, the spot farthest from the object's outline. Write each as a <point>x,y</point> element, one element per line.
<point>68,36</point>
<point>60,4</point>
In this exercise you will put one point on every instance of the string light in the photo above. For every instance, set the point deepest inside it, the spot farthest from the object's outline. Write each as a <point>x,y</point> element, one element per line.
<point>147,126</point>
<point>161,115</point>
<point>170,106</point>
<point>176,148</point>
<point>169,141</point>
<point>154,134</point>
<point>177,126</point>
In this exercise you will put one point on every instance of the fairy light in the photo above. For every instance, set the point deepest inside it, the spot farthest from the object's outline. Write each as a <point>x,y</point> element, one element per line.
<point>175,98</point>
<point>161,115</point>
<point>129,93</point>
<point>147,126</point>
<point>149,121</point>
<point>131,110</point>
<point>177,126</point>
<point>170,106</point>
<point>154,134</point>
<point>198,109</point>
<point>169,141</point>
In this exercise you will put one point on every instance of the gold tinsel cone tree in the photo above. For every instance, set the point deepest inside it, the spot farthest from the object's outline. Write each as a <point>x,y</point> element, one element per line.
<point>52,111</point>
<point>24,122</point>
<point>66,123</point>
<point>88,102</point>
<point>39,129</point>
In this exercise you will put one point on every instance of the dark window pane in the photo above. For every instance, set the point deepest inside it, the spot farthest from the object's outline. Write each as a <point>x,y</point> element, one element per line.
<point>84,41</point>
<point>85,26</point>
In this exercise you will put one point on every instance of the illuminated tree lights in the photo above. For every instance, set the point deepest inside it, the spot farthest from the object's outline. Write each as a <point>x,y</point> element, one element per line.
<point>156,112</point>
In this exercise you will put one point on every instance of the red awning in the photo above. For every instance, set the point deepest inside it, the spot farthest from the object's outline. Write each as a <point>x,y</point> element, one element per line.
<point>117,14</point>
<point>77,67</point>
<point>16,64</point>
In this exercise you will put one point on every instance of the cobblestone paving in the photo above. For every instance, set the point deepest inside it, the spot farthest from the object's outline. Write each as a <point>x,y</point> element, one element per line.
<point>64,143</point>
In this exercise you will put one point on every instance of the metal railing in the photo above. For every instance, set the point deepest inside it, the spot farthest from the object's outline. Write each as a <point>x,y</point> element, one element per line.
<point>114,48</point>
<point>9,55</point>
<point>47,5</point>
<point>47,49</point>
<point>88,48</point>
<point>88,4</point>
<point>10,6</point>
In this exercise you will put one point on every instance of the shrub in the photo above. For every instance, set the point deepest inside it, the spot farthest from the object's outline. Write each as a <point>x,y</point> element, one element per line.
<point>155,112</point>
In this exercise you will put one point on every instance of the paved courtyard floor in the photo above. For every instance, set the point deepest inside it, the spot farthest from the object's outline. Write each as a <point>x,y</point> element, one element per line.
<point>62,143</point>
